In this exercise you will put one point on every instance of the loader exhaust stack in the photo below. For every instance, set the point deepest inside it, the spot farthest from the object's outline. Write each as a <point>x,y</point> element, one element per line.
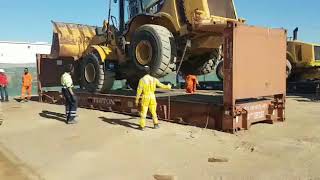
<point>295,34</point>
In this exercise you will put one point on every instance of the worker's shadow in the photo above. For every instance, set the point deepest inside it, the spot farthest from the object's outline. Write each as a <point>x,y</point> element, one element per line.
<point>53,115</point>
<point>121,122</point>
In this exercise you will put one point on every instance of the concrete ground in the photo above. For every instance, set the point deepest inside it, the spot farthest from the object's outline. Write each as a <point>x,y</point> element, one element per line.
<point>36,144</point>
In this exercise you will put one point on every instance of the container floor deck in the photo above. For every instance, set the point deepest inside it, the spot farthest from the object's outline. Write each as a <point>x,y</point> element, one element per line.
<point>202,96</point>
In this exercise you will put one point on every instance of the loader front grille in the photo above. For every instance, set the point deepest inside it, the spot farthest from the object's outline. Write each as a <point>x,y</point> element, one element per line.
<point>317,53</point>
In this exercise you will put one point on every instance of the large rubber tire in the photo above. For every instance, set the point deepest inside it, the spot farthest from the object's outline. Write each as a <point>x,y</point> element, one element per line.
<point>201,65</point>
<point>219,71</point>
<point>161,43</point>
<point>93,76</point>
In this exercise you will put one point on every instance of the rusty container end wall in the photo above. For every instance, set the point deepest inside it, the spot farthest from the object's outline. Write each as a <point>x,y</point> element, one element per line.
<point>259,61</point>
<point>255,76</point>
<point>50,70</point>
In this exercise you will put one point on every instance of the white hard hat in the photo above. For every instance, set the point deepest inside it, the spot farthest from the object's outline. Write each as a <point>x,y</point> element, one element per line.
<point>2,71</point>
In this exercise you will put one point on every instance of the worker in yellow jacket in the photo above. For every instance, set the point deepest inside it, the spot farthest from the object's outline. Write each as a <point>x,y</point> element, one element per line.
<point>147,87</point>
<point>70,97</point>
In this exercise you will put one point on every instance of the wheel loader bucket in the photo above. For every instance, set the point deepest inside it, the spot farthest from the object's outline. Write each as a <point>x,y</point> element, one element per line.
<point>211,15</point>
<point>211,9</point>
<point>223,8</point>
<point>71,40</point>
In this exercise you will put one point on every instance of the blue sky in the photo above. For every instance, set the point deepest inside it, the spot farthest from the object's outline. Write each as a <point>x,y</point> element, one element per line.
<point>30,20</point>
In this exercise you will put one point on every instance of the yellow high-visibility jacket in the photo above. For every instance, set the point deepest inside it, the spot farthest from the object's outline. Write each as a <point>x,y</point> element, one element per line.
<point>66,80</point>
<point>147,87</point>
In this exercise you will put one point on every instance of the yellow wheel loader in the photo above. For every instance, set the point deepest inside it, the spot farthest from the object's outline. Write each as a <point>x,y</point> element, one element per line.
<point>303,59</point>
<point>156,33</point>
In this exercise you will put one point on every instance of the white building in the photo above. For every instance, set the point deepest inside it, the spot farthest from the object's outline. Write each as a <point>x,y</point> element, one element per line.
<point>22,52</point>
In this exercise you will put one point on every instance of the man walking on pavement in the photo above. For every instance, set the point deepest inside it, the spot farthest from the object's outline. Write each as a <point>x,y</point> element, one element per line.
<point>70,98</point>
<point>147,87</point>
<point>3,86</point>
<point>191,84</point>
<point>26,85</point>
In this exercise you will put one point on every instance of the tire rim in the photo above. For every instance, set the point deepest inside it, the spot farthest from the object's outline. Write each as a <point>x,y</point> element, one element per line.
<point>90,73</point>
<point>144,52</point>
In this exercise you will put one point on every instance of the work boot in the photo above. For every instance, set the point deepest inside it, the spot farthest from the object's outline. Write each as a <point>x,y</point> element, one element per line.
<point>142,128</point>
<point>72,122</point>
<point>156,126</point>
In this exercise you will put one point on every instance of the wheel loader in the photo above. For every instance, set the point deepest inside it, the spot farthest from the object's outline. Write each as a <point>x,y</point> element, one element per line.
<point>303,59</point>
<point>156,33</point>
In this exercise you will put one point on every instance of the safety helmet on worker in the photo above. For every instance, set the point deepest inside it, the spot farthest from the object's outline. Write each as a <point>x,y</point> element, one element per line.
<point>68,68</point>
<point>146,69</point>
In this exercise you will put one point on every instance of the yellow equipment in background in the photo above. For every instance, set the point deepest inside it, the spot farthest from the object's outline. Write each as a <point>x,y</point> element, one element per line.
<point>304,59</point>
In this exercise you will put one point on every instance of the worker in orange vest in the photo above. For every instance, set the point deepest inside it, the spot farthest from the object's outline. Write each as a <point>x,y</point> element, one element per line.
<point>26,85</point>
<point>191,84</point>
<point>3,86</point>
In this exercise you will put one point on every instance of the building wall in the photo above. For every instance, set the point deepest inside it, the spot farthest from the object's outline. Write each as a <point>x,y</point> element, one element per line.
<point>15,80</point>
<point>15,56</point>
<point>21,53</point>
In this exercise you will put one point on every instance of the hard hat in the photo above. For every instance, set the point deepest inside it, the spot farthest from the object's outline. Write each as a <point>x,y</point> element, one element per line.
<point>2,71</point>
<point>147,69</point>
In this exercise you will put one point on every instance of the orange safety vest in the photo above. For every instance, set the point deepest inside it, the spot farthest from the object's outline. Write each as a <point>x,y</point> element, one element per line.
<point>27,79</point>
<point>191,83</point>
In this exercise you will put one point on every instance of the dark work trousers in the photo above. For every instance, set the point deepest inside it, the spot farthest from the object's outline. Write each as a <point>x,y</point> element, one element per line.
<point>4,93</point>
<point>70,103</point>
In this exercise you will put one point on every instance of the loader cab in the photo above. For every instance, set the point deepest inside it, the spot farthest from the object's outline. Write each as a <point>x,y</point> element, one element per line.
<point>144,6</point>
<point>134,8</point>
<point>303,54</point>
<point>128,9</point>
<point>317,53</point>
<point>225,8</point>
<point>179,10</point>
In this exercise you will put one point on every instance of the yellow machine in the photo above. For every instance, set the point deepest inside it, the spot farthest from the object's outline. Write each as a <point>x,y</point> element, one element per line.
<point>156,33</point>
<point>303,59</point>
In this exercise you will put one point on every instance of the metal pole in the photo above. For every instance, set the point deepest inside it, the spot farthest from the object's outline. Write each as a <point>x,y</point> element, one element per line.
<point>188,44</point>
<point>121,15</point>
<point>109,17</point>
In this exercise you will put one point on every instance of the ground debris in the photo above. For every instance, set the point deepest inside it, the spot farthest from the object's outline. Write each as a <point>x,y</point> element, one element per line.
<point>191,135</point>
<point>218,159</point>
<point>165,177</point>
<point>246,146</point>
